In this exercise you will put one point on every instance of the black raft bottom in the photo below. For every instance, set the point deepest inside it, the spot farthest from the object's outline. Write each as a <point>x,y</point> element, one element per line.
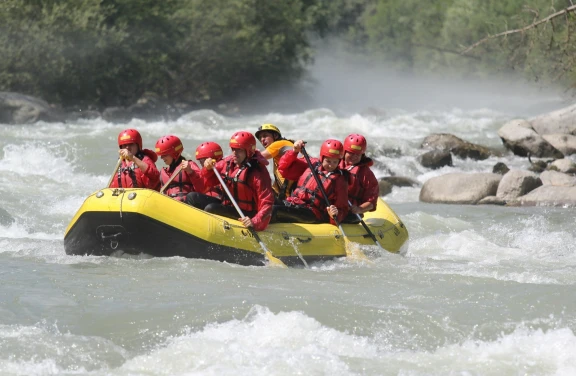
<point>135,234</point>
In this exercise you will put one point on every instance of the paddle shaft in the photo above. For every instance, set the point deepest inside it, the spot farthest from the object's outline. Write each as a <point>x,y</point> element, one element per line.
<point>267,253</point>
<point>174,174</point>
<point>319,184</point>
<point>349,253</point>
<point>370,233</point>
<point>115,172</point>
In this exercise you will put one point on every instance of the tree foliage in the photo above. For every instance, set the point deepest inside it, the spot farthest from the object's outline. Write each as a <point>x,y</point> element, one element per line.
<point>432,36</point>
<point>110,52</point>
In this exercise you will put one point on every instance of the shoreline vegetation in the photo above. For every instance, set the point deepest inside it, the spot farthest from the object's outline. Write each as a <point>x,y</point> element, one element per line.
<point>134,56</point>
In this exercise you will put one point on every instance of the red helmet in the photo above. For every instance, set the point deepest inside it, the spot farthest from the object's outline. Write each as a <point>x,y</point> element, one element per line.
<point>130,136</point>
<point>332,149</point>
<point>169,145</point>
<point>243,140</point>
<point>209,150</point>
<point>355,143</point>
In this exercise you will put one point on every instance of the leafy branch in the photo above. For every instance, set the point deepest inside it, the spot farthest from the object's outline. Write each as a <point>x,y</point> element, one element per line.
<point>565,11</point>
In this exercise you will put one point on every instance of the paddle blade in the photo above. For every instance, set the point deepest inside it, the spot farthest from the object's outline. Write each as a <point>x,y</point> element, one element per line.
<point>274,261</point>
<point>354,252</point>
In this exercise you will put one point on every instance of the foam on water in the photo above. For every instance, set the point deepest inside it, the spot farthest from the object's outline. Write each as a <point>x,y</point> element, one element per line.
<point>527,250</point>
<point>286,343</point>
<point>49,161</point>
<point>293,343</point>
<point>262,343</point>
<point>525,351</point>
<point>42,349</point>
<point>18,231</point>
<point>36,158</point>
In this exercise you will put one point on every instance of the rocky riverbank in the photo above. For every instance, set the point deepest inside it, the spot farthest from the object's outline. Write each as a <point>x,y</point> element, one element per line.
<point>549,182</point>
<point>20,109</point>
<point>548,141</point>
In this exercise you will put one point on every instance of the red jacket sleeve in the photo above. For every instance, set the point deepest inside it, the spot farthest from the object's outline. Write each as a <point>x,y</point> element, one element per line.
<point>208,176</point>
<point>195,177</point>
<point>339,198</point>
<point>260,158</point>
<point>264,196</point>
<point>151,177</point>
<point>371,187</point>
<point>291,167</point>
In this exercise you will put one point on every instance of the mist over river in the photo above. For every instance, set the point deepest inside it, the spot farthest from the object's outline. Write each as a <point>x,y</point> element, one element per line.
<point>481,290</point>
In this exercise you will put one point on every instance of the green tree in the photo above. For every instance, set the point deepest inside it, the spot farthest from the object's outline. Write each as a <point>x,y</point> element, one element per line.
<point>55,48</point>
<point>431,36</point>
<point>228,46</point>
<point>110,52</point>
<point>536,41</point>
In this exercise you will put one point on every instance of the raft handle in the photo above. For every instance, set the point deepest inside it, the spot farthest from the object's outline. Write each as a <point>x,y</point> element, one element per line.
<point>112,233</point>
<point>113,239</point>
<point>117,191</point>
<point>110,236</point>
<point>287,236</point>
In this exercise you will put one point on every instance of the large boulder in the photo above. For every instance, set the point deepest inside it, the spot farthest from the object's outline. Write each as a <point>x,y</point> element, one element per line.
<point>561,121</point>
<point>384,187</point>
<point>401,181</point>
<point>18,109</point>
<point>456,146</point>
<point>565,143</point>
<point>519,137</point>
<point>150,107</point>
<point>564,165</point>
<point>549,195</point>
<point>386,183</point>
<point>460,188</point>
<point>500,168</point>
<point>435,159</point>
<point>492,200</point>
<point>558,179</point>
<point>517,183</point>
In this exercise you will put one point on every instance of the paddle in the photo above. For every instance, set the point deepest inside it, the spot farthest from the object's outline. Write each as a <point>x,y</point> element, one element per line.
<point>115,172</point>
<point>174,174</point>
<point>370,233</point>
<point>351,251</point>
<point>271,259</point>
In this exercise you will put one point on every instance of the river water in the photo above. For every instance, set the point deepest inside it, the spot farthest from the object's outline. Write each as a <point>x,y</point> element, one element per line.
<point>482,290</point>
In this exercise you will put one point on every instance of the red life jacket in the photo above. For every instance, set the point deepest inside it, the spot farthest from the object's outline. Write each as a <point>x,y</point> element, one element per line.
<point>180,186</point>
<point>215,192</point>
<point>355,191</point>
<point>130,176</point>
<point>362,184</point>
<point>309,192</point>
<point>236,179</point>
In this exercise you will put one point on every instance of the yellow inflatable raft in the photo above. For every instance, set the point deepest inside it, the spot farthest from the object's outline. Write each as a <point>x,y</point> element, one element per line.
<point>144,221</point>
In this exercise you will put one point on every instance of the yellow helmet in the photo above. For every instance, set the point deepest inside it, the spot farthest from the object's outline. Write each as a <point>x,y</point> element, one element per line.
<point>267,128</point>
